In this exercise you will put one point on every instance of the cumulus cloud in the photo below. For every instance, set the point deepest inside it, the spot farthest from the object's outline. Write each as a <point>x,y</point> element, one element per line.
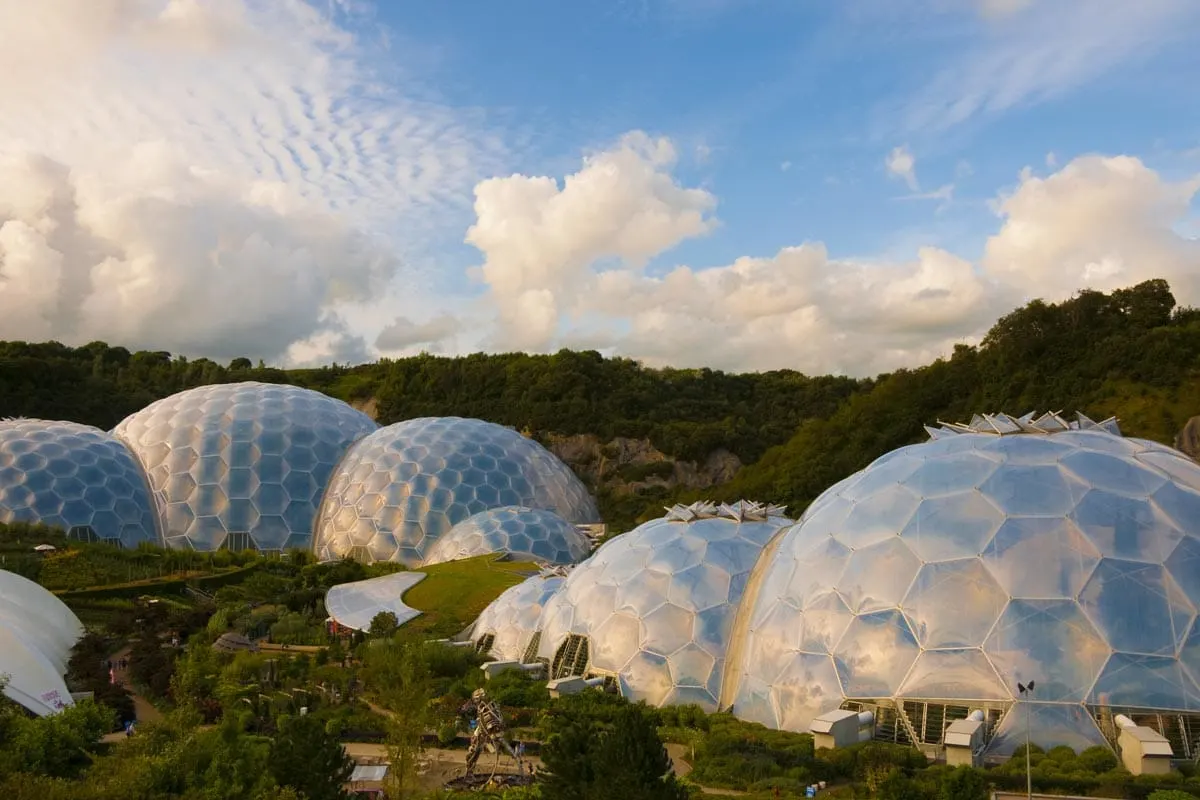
<point>571,271</point>
<point>541,239</point>
<point>196,175</point>
<point>901,163</point>
<point>1099,223</point>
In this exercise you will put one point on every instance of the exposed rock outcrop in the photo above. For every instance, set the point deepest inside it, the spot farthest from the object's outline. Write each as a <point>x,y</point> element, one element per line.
<point>1188,439</point>
<point>628,465</point>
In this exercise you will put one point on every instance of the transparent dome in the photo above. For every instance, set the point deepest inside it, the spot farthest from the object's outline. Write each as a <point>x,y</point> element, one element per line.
<point>241,465</point>
<point>1004,551</point>
<point>74,477</point>
<point>655,606</point>
<point>524,534</point>
<point>400,489</point>
<point>507,628</point>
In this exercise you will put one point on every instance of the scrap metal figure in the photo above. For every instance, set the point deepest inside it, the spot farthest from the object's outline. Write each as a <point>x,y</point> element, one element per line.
<point>489,733</point>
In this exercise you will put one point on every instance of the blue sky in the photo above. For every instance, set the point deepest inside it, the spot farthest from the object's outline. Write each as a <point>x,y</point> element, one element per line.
<point>750,86</point>
<point>747,184</point>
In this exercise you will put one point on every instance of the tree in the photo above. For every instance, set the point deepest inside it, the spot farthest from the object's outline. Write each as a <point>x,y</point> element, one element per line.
<point>398,676</point>
<point>964,783</point>
<point>57,745</point>
<point>307,758</point>
<point>591,759</point>
<point>383,624</point>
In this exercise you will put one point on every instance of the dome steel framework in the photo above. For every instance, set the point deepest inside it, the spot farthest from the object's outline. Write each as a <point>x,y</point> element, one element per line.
<point>1002,551</point>
<point>241,465</point>
<point>405,486</point>
<point>77,478</point>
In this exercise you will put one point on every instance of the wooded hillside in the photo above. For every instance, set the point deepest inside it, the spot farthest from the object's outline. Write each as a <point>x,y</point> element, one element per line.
<point>1131,353</point>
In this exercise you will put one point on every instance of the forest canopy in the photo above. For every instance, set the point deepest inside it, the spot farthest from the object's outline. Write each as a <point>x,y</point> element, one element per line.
<point>1131,352</point>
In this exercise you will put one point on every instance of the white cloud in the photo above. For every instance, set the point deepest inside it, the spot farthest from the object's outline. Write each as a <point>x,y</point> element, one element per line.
<point>159,254</point>
<point>1049,48</point>
<point>193,174</point>
<point>539,239</point>
<point>1098,222</point>
<point>785,166</point>
<point>901,163</point>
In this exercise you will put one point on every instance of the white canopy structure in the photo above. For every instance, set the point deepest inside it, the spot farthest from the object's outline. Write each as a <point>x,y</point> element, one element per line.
<point>37,632</point>
<point>354,605</point>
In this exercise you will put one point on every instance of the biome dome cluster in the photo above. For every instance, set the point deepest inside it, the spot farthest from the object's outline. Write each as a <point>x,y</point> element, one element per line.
<point>405,486</point>
<point>1003,551</point>
<point>249,465</point>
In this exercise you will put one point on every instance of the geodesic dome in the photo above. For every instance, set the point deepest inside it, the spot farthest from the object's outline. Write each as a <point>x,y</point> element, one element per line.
<point>74,477</point>
<point>1003,551</point>
<point>654,607</point>
<point>507,629</point>
<point>400,489</point>
<point>241,465</point>
<point>524,534</point>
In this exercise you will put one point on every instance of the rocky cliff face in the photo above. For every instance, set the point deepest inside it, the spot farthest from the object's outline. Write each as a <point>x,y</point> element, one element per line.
<point>629,465</point>
<point>624,465</point>
<point>1188,439</point>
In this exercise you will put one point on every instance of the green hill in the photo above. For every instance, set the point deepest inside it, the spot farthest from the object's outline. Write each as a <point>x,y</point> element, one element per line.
<point>645,437</point>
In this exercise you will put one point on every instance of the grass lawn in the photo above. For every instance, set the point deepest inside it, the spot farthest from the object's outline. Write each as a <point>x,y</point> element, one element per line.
<point>455,593</point>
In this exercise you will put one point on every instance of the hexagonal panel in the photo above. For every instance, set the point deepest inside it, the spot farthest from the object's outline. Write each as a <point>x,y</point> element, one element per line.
<point>264,442</point>
<point>1041,557</point>
<point>437,461</point>
<point>952,475</point>
<point>646,677</point>
<point>1137,607</point>
<point>952,526</point>
<point>879,516</point>
<point>953,675</point>
<point>42,481</point>
<point>879,576</point>
<point>1129,528</point>
<point>875,655</point>
<point>807,688</point>
<point>953,604</point>
<point>1050,642</point>
<point>1147,682</point>
<point>1183,564</point>
<point>1034,490</point>
<point>1114,474</point>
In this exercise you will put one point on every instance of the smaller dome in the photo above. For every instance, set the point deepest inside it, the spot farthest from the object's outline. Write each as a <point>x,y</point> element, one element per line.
<point>405,486</point>
<point>507,629</point>
<point>654,608</point>
<point>524,534</point>
<point>73,476</point>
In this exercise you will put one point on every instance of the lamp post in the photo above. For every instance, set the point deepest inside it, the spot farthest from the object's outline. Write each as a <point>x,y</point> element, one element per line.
<point>1025,690</point>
